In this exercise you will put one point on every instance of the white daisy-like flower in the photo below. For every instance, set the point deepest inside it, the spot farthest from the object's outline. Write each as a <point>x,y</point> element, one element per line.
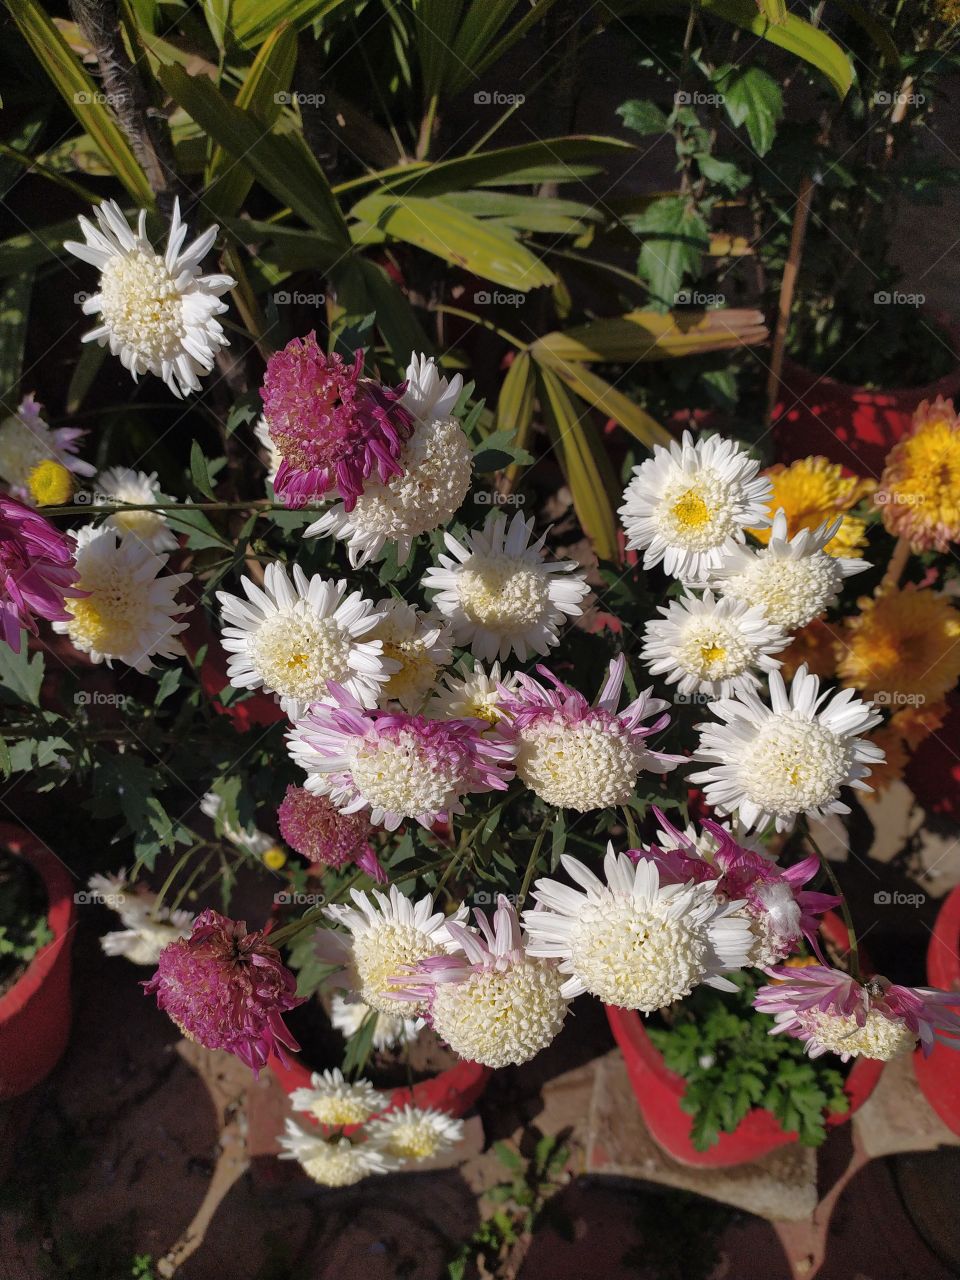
<point>500,594</point>
<point>122,484</point>
<point>632,941</point>
<point>428,395</point>
<point>689,505</point>
<point>149,927</point>
<point>412,1133</point>
<point>437,464</point>
<point>129,612</point>
<point>156,312</point>
<point>711,646</point>
<point>389,1032</point>
<point>291,639</point>
<point>335,1101</point>
<point>417,644</point>
<point>793,580</point>
<point>491,1000</point>
<point>471,695</point>
<point>334,1161</point>
<point>248,839</point>
<point>706,844</point>
<point>390,933</point>
<point>26,441</point>
<point>769,764</point>
<point>274,456</point>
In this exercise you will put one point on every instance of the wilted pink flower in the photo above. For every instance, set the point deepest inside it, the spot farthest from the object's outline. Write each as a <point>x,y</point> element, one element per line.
<point>36,571</point>
<point>774,895</point>
<point>311,826</point>
<point>227,989</point>
<point>580,755</point>
<point>833,1012</point>
<point>394,764</point>
<point>332,427</point>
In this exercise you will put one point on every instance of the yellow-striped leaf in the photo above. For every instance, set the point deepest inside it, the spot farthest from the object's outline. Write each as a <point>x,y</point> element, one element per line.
<point>650,335</point>
<point>601,395</point>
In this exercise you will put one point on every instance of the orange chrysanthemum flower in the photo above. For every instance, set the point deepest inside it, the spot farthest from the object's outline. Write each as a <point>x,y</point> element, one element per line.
<point>919,491</point>
<point>813,645</point>
<point>812,491</point>
<point>903,647</point>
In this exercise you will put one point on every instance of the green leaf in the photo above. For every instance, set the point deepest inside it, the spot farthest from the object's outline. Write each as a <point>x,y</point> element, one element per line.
<point>81,95</point>
<point>675,238</point>
<point>793,34</point>
<point>20,675</point>
<point>601,395</point>
<point>282,163</point>
<point>753,98</point>
<point>200,532</point>
<point>477,46</point>
<point>6,765</point>
<point>14,313</point>
<point>199,472</point>
<point>262,94</point>
<point>722,172</point>
<point>643,116</point>
<point>474,245</point>
<point>253,21</point>
<point>650,335</point>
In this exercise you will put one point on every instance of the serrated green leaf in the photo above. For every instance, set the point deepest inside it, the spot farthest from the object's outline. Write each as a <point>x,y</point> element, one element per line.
<point>675,238</point>
<point>793,34</point>
<point>199,473</point>
<point>753,98</point>
<point>20,674</point>
<point>643,116</point>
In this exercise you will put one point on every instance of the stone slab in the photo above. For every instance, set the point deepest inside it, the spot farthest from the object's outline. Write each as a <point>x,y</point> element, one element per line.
<point>896,1117</point>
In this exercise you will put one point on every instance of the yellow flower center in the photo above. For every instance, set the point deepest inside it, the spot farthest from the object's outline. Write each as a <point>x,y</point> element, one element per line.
<point>103,620</point>
<point>50,483</point>
<point>274,858</point>
<point>711,653</point>
<point>690,511</point>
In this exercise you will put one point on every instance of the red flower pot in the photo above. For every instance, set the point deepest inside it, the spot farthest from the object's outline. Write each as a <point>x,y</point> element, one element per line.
<point>659,1091</point>
<point>35,1012</point>
<point>454,1090</point>
<point>853,426</point>
<point>939,1075</point>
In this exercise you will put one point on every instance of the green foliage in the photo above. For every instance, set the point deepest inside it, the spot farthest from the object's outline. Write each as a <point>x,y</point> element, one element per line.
<point>723,1049</point>
<point>23,916</point>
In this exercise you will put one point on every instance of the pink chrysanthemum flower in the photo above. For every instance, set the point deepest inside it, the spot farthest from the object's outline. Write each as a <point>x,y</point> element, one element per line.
<point>490,1001</point>
<point>36,571</point>
<point>833,1013</point>
<point>395,764</point>
<point>332,427</point>
<point>311,826</point>
<point>578,756</point>
<point>227,989</point>
<point>779,909</point>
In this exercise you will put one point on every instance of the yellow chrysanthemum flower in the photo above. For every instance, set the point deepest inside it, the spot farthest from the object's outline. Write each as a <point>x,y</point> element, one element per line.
<point>913,724</point>
<point>813,490</point>
<point>812,646</point>
<point>50,484</point>
<point>903,648</point>
<point>919,491</point>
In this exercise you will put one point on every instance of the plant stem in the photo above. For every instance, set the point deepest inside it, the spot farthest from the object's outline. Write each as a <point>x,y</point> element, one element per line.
<point>898,562</point>
<point>111,509</point>
<point>788,287</point>
<point>853,954</point>
<point>631,828</point>
<point>532,861</point>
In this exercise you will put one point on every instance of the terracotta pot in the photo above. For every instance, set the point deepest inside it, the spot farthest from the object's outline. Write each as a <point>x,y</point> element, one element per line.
<point>939,1075</point>
<point>35,1012</point>
<point>659,1090</point>
<point>853,426</point>
<point>454,1090</point>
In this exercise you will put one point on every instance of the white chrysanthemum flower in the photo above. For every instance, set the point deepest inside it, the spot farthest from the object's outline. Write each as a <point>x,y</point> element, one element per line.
<point>129,611</point>
<point>500,594</point>
<point>292,639</point>
<point>769,764</point>
<point>880,1037</point>
<point>122,484</point>
<point>411,1133</point>
<point>471,695</point>
<point>437,464</point>
<point>156,312</point>
<point>417,644</point>
<point>335,1161</point>
<point>428,395</point>
<point>711,647</point>
<point>248,839</point>
<point>793,580</point>
<point>490,1000</point>
<point>274,456</point>
<point>391,933</point>
<point>389,1032</point>
<point>335,1101</point>
<point>706,843</point>
<point>689,505</point>
<point>26,441</point>
<point>149,927</point>
<point>633,942</point>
